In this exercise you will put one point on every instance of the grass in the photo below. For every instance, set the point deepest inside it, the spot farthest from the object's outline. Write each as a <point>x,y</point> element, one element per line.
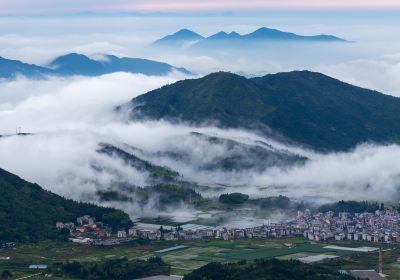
<point>393,269</point>
<point>179,272</point>
<point>370,261</point>
<point>296,256</point>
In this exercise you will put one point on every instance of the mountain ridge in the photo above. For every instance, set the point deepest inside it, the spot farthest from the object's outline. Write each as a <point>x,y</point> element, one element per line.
<point>29,213</point>
<point>304,107</point>
<point>79,64</point>
<point>178,38</point>
<point>262,34</point>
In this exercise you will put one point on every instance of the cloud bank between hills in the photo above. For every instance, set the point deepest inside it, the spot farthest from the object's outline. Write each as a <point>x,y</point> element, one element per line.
<point>70,117</point>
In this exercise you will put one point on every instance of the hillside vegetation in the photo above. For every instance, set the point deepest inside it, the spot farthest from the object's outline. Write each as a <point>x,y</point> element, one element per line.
<point>302,107</point>
<point>28,213</point>
<point>264,270</point>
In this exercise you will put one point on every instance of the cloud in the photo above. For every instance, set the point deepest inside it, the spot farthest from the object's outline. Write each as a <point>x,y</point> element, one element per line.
<point>75,6</point>
<point>69,117</point>
<point>381,73</point>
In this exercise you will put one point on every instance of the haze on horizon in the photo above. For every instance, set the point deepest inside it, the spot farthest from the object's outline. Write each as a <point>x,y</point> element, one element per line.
<point>26,7</point>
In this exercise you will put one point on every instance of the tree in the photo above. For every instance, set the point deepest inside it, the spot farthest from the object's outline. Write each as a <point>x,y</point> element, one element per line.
<point>6,274</point>
<point>233,198</point>
<point>162,233</point>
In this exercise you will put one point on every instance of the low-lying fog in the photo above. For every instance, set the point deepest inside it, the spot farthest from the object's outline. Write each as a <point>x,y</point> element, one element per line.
<point>70,117</point>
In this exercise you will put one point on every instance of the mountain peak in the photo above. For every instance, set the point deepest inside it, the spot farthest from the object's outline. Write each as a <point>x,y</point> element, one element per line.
<point>186,32</point>
<point>222,35</point>
<point>69,58</point>
<point>265,29</point>
<point>223,75</point>
<point>179,38</point>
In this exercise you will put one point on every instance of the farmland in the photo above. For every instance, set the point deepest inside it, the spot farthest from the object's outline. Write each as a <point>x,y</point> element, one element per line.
<point>196,254</point>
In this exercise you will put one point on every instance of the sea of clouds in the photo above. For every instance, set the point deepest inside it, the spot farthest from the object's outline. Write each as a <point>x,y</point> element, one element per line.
<point>69,117</point>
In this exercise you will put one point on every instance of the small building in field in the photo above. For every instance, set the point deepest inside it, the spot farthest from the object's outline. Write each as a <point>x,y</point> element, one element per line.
<point>121,234</point>
<point>38,266</point>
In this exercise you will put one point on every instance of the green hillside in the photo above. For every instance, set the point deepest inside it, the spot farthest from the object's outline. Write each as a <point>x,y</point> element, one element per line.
<point>302,107</point>
<point>165,187</point>
<point>264,270</point>
<point>29,213</point>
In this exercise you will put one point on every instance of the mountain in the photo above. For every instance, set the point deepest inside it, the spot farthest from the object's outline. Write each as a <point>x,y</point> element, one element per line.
<point>78,64</point>
<point>29,213</point>
<point>164,187</point>
<point>236,156</point>
<point>224,36</point>
<point>222,39</point>
<point>179,39</point>
<point>302,107</point>
<point>269,34</point>
<point>10,69</point>
<point>158,174</point>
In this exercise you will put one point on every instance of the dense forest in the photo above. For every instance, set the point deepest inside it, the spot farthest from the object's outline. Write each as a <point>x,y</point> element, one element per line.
<point>233,198</point>
<point>119,269</point>
<point>158,174</point>
<point>264,270</point>
<point>304,107</point>
<point>29,214</point>
<point>351,207</point>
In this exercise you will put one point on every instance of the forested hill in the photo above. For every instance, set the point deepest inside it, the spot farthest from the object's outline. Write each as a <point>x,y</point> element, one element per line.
<point>29,213</point>
<point>304,107</point>
<point>264,270</point>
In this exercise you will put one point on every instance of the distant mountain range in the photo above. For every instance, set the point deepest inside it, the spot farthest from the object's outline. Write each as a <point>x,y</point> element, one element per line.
<point>78,64</point>
<point>301,107</point>
<point>187,37</point>
<point>11,68</point>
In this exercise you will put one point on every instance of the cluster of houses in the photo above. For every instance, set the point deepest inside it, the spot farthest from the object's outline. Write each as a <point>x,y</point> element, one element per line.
<point>381,226</point>
<point>86,228</point>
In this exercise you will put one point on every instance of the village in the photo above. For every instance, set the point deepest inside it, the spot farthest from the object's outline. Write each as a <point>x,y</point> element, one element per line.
<point>381,226</point>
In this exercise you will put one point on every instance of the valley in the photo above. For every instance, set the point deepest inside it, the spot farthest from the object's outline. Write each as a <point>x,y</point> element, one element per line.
<point>199,140</point>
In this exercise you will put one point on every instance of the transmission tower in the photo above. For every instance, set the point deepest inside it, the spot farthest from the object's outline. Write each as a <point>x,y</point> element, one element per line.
<point>380,264</point>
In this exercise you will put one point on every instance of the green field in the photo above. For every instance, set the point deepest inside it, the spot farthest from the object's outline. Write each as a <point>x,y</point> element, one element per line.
<point>196,254</point>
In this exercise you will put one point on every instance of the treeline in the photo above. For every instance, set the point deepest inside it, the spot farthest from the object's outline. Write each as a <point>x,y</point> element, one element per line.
<point>264,270</point>
<point>29,214</point>
<point>266,203</point>
<point>158,174</point>
<point>163,195</point>
<point>351,207</point>
<point>274,202</point>
<point>233,198</point>
<point>119,269</point>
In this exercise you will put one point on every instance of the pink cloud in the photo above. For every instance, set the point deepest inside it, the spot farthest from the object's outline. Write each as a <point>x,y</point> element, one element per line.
<point>177,5</point>
<point>67,6</point>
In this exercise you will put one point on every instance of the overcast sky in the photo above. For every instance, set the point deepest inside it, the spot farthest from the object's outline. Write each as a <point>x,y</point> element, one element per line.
<point>77,6</point>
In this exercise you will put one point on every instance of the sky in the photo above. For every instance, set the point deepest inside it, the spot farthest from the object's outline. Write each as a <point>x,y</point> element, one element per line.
<point>78,6</point>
